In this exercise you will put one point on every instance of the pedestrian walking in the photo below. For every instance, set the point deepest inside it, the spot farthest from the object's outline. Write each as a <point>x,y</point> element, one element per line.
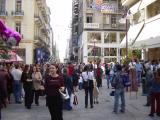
<point>17,85</point>
<point>69,86</point>
<point>37,80</point>
<point>53,83</point>
<point>3,88</point>
<point>118,84</point>
<point>28,86</point>
<point>88,76</point>
<point>155,95</point>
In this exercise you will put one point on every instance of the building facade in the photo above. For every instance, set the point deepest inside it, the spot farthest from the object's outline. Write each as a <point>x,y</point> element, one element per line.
<point>31,18</point>
<point>144,31</point>
<point>98,30</point>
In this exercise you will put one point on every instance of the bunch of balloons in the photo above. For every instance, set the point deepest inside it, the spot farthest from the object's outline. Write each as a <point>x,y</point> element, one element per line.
<point>11,37</point>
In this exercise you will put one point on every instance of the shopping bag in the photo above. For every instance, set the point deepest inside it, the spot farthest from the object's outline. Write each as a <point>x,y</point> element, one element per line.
<point>75,100</point>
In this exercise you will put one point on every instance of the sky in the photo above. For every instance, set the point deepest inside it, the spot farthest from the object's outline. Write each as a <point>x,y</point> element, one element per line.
<point>61,16</point>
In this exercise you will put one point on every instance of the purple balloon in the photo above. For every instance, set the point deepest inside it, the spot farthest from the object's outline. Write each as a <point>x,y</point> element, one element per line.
<point>11,33</point>
<point>2,26</point>
<point>17,36</point>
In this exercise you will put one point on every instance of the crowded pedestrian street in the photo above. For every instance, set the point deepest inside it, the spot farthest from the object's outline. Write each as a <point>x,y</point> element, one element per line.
<point>135,109</point>
<point>79,60</point>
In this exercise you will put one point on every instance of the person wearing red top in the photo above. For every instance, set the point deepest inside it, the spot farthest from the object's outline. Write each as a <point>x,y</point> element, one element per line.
<point>70,69</point>
<point>53,83</point>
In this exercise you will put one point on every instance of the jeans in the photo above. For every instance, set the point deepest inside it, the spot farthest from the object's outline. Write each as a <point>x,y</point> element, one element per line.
<point>155,103</point>
<point>80,85</point>
<point>139,77</point>
<point>108,81</point>
<point>17,90</point>
<point>119,93</point>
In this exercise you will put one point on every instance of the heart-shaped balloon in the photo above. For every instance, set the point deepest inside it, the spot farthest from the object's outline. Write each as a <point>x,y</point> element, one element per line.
<point>11,41</point>
<point>9,33</point>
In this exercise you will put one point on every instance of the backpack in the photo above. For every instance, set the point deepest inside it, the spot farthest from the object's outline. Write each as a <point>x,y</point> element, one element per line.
<point>126,80</point>
<point>118,81</point>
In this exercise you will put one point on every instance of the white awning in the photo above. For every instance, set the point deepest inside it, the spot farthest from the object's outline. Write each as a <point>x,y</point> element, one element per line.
<point>150,35</point>
<point>146,3</point>
<point>19,58</point>
<point>133,32</point>
<point>135,8</point>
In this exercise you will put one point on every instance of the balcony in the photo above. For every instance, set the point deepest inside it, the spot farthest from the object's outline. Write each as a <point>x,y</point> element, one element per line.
<point>128,2</point>
<point>91,25</point>
<point>18,14</point>
<point>38,20</point>
<point>3,14</point>
<point>38,41</point>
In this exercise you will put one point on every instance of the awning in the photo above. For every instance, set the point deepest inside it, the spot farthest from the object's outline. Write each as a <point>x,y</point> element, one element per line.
<point>133,32</point>
<point>150,35</point>
<point>135,8</point>
<point>146,3</point>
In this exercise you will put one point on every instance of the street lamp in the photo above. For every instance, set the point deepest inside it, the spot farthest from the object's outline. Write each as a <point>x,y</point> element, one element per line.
<point>94,41</point>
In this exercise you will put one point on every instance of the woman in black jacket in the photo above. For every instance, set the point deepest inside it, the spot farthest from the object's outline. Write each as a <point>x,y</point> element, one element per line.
<point>28,86</point>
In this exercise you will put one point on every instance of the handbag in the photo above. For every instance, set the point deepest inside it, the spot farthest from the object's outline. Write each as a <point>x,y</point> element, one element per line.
<point>112,93</point>
<point>42,91</point>
<point>64,94</point>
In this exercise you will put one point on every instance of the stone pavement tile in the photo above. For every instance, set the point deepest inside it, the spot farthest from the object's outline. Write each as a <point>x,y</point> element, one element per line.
<point>102,111</point>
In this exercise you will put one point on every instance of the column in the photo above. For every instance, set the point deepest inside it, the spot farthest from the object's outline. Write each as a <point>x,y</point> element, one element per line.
<point>29,54</point>
<point>118,47</point>
<point>102,47</point>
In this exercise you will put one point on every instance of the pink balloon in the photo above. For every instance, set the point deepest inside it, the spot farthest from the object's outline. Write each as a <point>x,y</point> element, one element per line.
<point>2,26</point>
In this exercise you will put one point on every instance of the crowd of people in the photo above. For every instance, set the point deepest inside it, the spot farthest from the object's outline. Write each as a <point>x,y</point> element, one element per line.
<point>28,82</point>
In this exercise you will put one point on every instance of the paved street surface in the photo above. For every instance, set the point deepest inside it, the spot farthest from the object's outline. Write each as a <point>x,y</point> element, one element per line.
<point>103,111</point>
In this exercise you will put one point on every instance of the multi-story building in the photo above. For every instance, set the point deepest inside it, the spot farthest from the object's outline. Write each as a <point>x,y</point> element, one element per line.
<point>98,29</point>
<point>31,18</point>
<point>144,31</point>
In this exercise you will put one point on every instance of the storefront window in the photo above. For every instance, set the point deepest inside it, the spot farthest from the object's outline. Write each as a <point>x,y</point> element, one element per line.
<point>94,36</point>
<point>110,37</point>
<point>94,51</point>
<point>108,60</point>
<point>153,9</point>
<point>110,51</point>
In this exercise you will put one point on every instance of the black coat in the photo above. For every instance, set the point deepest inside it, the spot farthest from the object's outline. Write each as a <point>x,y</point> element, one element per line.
<point>4,76</point>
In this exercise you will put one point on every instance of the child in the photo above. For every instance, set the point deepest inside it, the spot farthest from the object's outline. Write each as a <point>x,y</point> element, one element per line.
<point>95,93</point>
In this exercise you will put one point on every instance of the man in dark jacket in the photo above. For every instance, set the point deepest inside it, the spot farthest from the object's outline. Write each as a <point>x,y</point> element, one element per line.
<point>3,88</point>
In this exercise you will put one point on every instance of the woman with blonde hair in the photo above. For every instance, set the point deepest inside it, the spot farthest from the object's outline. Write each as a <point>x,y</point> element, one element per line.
<point>37,80</point>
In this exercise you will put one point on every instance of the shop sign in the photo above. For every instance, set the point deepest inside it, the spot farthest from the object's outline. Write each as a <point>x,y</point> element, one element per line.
<point>105,8</point>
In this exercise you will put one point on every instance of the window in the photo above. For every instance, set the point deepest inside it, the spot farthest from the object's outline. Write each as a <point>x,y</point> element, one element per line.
<point>89,3</point>
<point>93,35</point>
<point>106,19</point>
<point>113,51</point>
<point>2,5</point>
<point>18,27</point>
<point>94,51</point>
<point>110,38</point>
<point>89,18</point>
<point>18,5</point>
<point>113,21</point>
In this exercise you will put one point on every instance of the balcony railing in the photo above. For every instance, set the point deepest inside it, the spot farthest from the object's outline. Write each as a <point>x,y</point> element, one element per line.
<point>3,13</point>
<point>18,13</point>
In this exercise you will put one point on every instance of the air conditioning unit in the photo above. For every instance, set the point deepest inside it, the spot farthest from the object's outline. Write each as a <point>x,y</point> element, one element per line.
<point>114,25</point>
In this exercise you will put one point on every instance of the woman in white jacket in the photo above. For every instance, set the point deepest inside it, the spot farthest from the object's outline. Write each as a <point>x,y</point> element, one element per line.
<point>88,76</point>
